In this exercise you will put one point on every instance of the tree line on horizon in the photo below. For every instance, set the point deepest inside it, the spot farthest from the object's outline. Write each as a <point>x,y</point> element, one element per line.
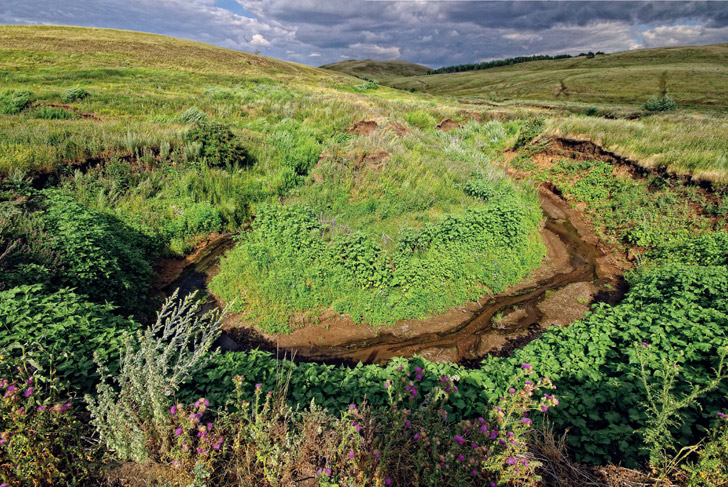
<point>508,62</point>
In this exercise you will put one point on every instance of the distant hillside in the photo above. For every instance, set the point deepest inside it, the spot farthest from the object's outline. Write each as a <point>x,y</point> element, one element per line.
<point>379,71</point>
<point>88,48</point>
<point>695,76</point>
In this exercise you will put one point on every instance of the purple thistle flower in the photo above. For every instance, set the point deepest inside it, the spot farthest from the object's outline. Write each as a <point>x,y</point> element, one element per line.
<point>511,461</point>
<point>459,439</point>
<point>461,458</point>
<point>526,366</point>
<point>511,391</point>
<point>387,481</point>
<point>526,421</point>
<point>721,415</point>
<point>417,436</point>
<point>178,431</point>
<point>173,410</point>
<point>474,472</point>
<point>258,386</point>
<point>351,455</point>
<point>29,391</point>
<point>483,428</point>
<point>327,471</point>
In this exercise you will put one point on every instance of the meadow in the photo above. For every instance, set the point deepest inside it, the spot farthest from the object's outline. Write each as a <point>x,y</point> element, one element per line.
<point>120,151</point>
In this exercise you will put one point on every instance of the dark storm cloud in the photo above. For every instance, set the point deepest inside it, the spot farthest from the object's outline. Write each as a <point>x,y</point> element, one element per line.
<point>432,33</point>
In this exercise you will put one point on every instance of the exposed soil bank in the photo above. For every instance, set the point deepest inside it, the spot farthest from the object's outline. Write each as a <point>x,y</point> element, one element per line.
<point>578,270</point>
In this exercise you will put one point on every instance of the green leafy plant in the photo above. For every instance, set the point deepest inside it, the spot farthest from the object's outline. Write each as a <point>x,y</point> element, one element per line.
<point>219,146</point>
<point>14,101</point>
<point>54,113</point>
<point>74,94</point>
<point>660,104</point>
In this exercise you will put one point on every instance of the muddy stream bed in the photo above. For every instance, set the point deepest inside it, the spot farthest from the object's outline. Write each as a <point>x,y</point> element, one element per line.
<point>577,271</point>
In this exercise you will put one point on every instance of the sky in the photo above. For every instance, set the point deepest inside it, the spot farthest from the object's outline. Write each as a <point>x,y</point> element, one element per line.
<point>433,33</point>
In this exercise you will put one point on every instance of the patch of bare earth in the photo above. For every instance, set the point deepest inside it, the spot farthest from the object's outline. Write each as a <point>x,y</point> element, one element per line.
<point>365,127</point>
<point>448,124</point>
<point>398,129</point>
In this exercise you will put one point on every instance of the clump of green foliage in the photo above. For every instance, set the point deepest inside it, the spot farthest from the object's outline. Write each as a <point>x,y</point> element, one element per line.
<point>219,146</point>
<point>192,115</point>
<point>54,113</point>
<point>660,104</point>
<point>60,331</point>
<point>364,87</point>
<point>420,119</point>
<point>74,94</point>
<point>102,257</point>
<point>529,130</point>
<point>14,101</point>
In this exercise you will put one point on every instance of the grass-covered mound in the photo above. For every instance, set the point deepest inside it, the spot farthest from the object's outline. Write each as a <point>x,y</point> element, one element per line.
<point>292,262</point>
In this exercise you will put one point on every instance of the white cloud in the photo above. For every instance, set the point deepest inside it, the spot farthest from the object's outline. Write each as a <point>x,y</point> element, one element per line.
<point>376,50</point>
<point>522,37</point>
<point>681,35</point>
<point>259,40</point>
<point>315,54</point>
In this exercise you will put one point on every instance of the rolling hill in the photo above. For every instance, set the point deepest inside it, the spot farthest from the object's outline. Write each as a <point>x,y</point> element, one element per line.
<point>695,76</point>
<point>379,71</point>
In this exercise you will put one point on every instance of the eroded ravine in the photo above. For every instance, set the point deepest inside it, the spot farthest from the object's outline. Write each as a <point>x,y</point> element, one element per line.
<point>576,261</point>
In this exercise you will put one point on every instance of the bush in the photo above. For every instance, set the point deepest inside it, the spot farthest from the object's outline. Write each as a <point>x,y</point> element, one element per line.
<point>219,146</point>
<point>104,258</point>
<point>528,131</point>
<point>132,415</point>
<point>364,87</point>
<point>420,119</point>
<point>74,94</point>
<point>61,331</point>
<point>53,113</point>
<point>660,104</point>
<point>14,101</point>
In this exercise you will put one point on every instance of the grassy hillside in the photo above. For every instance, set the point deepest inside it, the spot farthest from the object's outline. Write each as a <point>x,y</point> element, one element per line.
<point>379,71</point>
<point>121,152</point>
<point>694,77</point>
<point>184,139</point>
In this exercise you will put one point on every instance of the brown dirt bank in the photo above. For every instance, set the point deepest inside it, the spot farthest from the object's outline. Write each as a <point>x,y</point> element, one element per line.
<point>493,324</point>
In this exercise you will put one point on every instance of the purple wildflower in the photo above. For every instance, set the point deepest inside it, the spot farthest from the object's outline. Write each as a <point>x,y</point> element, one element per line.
<point>178,431</point>
<point>459,439</point>
<point>511,461</point>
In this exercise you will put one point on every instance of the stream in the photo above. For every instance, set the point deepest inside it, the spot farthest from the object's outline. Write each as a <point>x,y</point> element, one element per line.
<point>464,335</point>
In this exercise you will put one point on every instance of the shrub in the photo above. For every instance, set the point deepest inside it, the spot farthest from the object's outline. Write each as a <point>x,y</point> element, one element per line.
<point>364,87</point>
<point>60,330</point>
<point>53,113</point>
<point>660,104</point>
<point>420,119</point>
<point>74,94</point>
<point>132,415</point>
<point>528,131</point>
<point>105,259</point>
<point>40,436</point>
<point>219,146</point>
<point>14,101</point>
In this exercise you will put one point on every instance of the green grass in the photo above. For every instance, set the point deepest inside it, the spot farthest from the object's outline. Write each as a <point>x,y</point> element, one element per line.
<point>693,76</point>
<point>379,71</point>
<point>183,139</point>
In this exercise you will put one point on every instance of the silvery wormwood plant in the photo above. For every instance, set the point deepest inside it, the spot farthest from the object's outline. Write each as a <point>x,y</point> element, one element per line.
<point>130,410</point>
